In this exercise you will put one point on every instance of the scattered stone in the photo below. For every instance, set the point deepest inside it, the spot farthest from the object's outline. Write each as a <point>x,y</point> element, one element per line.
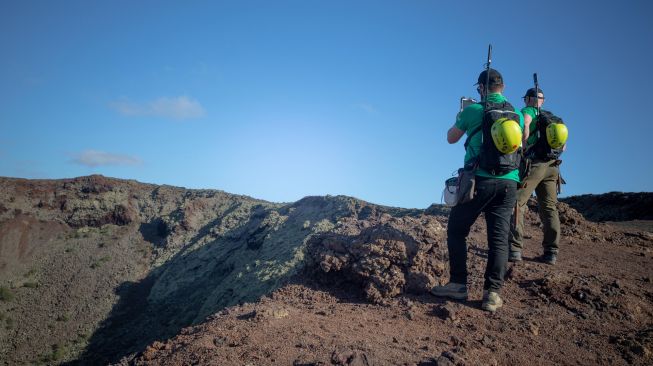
<point>350,358</point>
<point>269,313</point>
<point>148,354</point>
<point>458,342</point>
<point>446,312</point>
<point>310,362</point>
<point>444,361</point>
<point>280,313</point>
<point>405,302</point>
<point>234,343</point>
<point>487,340</point>
<point>634,345</point>
<point>451,355</point>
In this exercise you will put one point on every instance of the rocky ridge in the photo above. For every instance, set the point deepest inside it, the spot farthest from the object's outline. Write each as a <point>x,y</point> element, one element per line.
<point>96,269</point>
<point>100,267</point>
<point>360,303</point>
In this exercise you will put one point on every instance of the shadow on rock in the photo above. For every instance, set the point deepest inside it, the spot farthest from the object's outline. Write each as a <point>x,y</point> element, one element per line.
<point>209,274</point>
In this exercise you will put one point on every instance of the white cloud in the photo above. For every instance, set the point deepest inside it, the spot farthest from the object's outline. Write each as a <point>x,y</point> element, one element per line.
<point>94,158</point>
<point>181,107</point>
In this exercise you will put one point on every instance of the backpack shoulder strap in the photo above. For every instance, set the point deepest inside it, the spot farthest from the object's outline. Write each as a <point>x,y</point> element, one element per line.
<point>477,129</point>
<point>486,106</point>
<point>471,134</point>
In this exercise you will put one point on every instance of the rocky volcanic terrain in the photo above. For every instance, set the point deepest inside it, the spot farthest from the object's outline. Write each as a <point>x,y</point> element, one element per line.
<point>95,270</point>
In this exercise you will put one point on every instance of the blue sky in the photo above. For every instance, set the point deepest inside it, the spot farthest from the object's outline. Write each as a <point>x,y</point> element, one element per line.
<point>283,99</point>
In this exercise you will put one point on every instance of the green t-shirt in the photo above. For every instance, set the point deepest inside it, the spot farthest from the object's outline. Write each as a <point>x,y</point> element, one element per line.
<point>532,137</point>
<point>471,118</point>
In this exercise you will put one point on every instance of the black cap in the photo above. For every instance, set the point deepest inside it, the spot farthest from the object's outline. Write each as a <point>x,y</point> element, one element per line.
<point>532,93</point>
<point>495,78</point>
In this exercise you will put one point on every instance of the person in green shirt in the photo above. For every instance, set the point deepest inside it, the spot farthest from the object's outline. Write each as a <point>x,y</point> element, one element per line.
<point>495,195</point>
<point>543,180</point>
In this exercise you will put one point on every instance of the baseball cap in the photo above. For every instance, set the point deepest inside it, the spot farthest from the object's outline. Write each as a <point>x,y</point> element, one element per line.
<point>495,77</point>
<point>532,93</point>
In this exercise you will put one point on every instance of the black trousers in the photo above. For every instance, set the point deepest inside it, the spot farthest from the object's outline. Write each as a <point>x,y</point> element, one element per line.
<point>496,198</point>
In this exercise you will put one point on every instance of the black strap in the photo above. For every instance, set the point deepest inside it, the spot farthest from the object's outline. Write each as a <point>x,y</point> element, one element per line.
<point>474,132</point>
<point>487,106</point>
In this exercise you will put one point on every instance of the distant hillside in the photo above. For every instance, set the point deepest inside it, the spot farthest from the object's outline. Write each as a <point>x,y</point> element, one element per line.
<point>613,206</point>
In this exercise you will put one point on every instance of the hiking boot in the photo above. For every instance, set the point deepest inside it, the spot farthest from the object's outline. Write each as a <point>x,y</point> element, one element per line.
<point>456,291</point>
<point>491,301</point>
<point>514,257</point>
<point>549,258</point>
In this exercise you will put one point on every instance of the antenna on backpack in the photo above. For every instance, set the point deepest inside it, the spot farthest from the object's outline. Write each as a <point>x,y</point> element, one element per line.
<point>487,73</point>
<point>537,100</point>
<point>537,93</point>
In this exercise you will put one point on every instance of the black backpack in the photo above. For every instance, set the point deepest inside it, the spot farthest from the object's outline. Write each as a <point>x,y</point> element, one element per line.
<point>542,150</point>
<point>490,158</point>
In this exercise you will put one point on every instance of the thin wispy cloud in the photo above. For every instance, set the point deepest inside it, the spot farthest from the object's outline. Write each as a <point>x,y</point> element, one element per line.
<point>181,107</point>
<point>367,107</point>
<point>94,158</point>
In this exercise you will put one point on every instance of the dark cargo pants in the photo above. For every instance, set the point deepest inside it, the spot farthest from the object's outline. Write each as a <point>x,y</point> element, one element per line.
<point>542,179</point>
<point>496,198</point>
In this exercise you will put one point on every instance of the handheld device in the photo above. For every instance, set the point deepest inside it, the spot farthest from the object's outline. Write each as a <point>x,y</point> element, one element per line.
<point>465,102</point>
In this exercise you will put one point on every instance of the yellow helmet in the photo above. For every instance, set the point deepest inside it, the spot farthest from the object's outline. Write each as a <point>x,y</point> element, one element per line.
<point>556,135</point>
<point>507,135</point>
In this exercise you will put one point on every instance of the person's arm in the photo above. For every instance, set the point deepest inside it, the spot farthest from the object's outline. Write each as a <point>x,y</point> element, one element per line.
<point>527,127</point>
<point>454,134</point>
